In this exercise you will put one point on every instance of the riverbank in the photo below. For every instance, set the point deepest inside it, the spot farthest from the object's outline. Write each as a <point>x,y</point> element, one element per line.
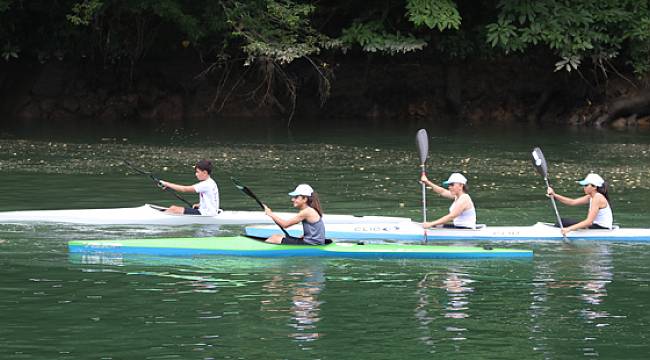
<point>377,92</point>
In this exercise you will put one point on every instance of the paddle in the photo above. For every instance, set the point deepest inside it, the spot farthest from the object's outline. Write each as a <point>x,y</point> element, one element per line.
<point>243,188</point>
<point>422,142</point>
<point>539,162</point>
<point>156,181</point>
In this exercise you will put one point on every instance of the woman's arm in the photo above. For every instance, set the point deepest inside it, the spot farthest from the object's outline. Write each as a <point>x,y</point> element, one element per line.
<point>591,216</point>
<point>461,205</point>
<point>567,200</point>
<point>282,222</point>
<point>437,189</point>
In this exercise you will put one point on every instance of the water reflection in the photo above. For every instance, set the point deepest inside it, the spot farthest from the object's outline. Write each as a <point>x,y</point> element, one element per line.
<point>539,308</point>
<point>303,288</point>
<point>306,306</point>
<point>422,309</point>
<point>205,275</point>
<point>588,270</point>
<point>456,286</point>
<point>295,292</point>
<point>598,269</point>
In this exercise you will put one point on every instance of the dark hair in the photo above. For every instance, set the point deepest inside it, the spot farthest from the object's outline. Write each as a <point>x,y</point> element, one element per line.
<point>314,202</point>
<point>205,165</point>
<point>604,189</point>
<point>465,189</point>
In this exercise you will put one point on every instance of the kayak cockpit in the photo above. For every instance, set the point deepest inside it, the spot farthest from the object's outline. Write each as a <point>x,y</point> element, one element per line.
<point>262,238</point>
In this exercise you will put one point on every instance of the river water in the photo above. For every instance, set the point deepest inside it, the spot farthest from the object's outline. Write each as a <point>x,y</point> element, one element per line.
<point>584,300</point>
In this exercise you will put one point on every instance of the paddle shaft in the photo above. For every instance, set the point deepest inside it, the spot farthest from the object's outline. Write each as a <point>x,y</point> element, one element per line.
<point>557,213</point>
<point>243,188</point>
<point>257,200</point>
<point>539,162</point>
<point>422,142</point>
<point>157,182</point>
<point>424,204</point>
<point>424,197</point>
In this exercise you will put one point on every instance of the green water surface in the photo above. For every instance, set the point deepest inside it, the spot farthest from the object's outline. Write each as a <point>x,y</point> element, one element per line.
<point>586,300</point>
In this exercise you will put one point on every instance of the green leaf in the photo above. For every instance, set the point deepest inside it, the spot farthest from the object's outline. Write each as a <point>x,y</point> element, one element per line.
<point>440,14</point>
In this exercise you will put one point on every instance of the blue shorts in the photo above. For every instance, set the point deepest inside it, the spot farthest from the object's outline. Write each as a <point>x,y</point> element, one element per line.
<point>191,211</point>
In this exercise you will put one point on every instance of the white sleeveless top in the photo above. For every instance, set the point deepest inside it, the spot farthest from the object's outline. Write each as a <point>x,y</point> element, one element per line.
<point>604,217</point>
<point>467,218</point>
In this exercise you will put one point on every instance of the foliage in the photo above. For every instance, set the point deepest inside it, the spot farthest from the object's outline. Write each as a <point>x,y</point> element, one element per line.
<point>599,30</point>
<point>9,51</point>
<point>279,30</point>
<point>283,30</point>
<point>596,31</point>
<point>440,14</point>
<point>276,33</point>
<point>82,13</point>
<point>5,4</point>
<point>273,35</point>
<point>372,38</point>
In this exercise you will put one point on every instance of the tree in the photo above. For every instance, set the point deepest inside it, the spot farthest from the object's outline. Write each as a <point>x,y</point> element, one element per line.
<point>276,37</point>
<point>599,30</point>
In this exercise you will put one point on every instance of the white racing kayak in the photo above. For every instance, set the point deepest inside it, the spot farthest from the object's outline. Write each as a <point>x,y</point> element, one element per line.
<point>412,232</point>
<point>154,215</point>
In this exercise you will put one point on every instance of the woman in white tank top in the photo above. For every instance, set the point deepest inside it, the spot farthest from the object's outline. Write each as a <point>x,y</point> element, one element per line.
<point>600,212</point>
<point>462,213</point>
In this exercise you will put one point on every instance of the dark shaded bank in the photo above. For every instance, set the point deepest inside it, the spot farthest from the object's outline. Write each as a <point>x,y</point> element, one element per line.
<point>377,92</point>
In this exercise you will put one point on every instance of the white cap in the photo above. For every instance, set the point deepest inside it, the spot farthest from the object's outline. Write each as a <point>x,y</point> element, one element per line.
<point>455,178</point>
<point>593,179</point>
<point>302,189</point>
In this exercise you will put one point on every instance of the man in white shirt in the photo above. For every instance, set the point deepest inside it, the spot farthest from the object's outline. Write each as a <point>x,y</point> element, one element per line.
<point>206,188</point>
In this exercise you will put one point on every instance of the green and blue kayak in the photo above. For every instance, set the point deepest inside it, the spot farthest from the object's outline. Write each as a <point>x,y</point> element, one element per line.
<point>247,246</point>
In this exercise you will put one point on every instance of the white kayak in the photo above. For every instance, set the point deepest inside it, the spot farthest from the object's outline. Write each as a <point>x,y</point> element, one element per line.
<point>154,215</point>
<point>411,232</point>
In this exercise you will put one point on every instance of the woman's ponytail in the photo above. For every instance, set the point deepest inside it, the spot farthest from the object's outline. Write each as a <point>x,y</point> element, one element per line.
<point>604,190</point>
<point>314,202</point>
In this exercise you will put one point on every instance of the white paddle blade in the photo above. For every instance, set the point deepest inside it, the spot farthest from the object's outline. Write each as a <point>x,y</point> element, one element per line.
<point>539,162</point>
<point>422,141</point>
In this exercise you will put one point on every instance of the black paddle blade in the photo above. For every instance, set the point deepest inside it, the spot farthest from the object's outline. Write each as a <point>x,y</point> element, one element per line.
<point>156,181</point>
<point>146,173</point>
<point>243,188</point>
<point>539,162</point>
<point>134,168</point>
<point>422,142</point>
<point>237,183</point>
